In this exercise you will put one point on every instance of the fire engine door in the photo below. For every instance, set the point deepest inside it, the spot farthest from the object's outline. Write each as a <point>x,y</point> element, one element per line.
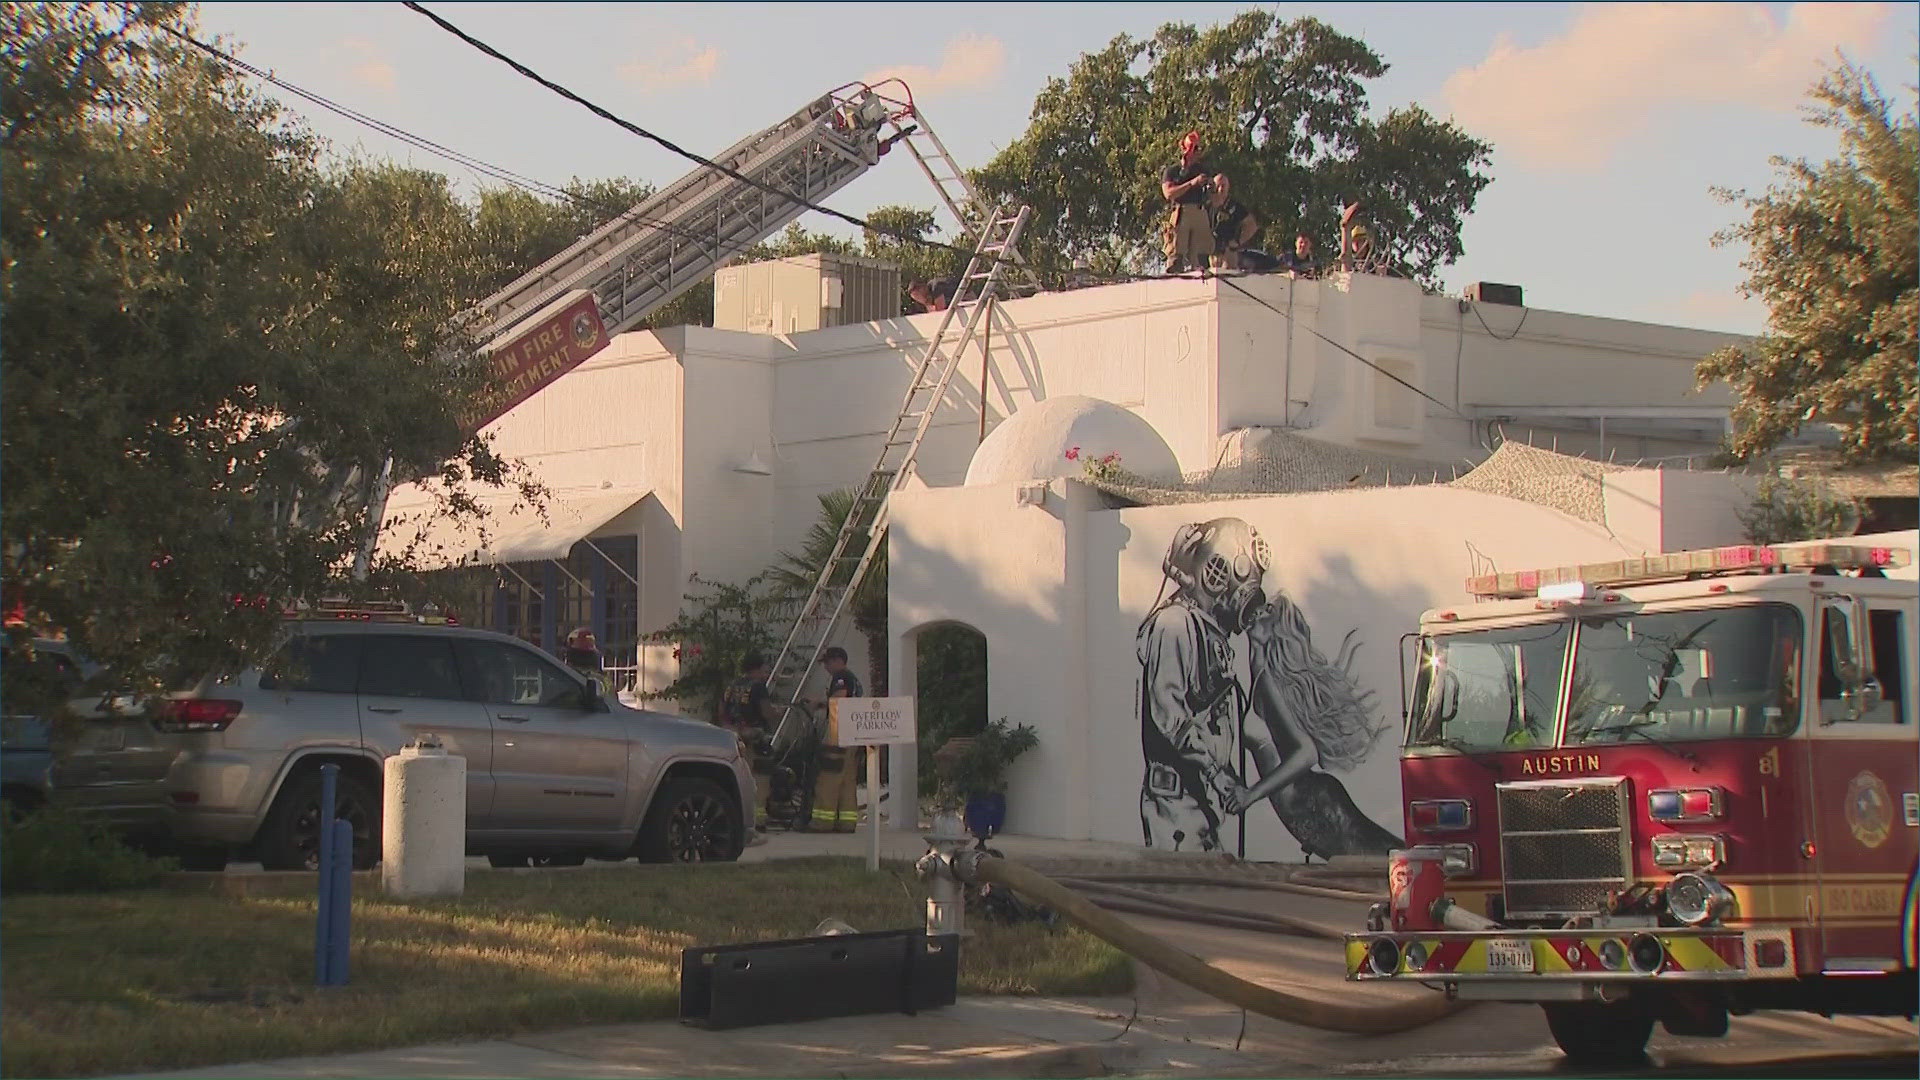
<point>1862,773</point>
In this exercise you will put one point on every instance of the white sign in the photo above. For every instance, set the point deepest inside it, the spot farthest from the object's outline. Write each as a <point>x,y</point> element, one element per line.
<point>871,721</point>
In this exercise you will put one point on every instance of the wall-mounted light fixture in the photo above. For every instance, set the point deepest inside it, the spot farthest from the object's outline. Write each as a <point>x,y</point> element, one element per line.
<point>754,465</point>
<point>1034,494</point>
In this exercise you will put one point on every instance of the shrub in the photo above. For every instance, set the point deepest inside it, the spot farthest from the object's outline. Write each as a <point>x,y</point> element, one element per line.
<point>55,850</point>
<point>1786,510</point>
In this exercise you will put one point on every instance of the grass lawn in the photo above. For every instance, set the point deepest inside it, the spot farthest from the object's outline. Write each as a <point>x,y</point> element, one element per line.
<point>152,980</point>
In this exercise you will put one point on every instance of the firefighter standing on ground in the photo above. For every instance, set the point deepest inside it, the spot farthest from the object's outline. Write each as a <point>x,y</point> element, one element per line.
<point>836,786</point>
<point>746,709</point>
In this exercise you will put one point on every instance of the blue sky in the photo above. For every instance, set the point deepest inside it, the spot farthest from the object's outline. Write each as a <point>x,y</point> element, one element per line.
<point>1609,122</point>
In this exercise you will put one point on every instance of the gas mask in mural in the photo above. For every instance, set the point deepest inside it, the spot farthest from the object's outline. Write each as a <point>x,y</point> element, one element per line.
<point>1215,742</point>
<point>1221,564</point>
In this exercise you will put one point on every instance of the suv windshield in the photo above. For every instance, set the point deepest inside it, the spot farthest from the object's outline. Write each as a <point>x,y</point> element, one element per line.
<point>1489,689</point>
<point>1686,675</point>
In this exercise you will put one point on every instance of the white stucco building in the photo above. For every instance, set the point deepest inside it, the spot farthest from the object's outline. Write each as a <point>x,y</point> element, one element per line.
<point>702,451</point>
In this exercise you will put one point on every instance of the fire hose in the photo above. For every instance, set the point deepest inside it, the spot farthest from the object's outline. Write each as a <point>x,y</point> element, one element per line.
<point>973,866</point>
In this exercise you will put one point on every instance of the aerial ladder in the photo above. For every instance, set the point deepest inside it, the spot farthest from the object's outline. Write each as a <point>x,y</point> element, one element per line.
<point>627,269</point>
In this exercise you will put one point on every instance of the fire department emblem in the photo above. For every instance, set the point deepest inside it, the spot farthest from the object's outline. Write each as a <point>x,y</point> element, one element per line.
<point>583,333</point>
<point>1869,810</point>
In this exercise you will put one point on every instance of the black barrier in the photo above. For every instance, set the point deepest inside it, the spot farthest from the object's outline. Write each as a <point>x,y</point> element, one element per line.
<point>814,978</point>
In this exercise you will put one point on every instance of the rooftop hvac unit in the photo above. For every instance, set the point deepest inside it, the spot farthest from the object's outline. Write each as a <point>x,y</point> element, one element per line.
<point>1486,292</point>
<point>805,292</point>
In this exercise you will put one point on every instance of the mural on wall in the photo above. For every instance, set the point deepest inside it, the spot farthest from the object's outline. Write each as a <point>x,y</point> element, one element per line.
<point>1217,743</point>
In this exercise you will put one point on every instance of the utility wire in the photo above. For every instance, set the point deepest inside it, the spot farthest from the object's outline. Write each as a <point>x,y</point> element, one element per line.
<point>1242,290</point>
<point>851,219</point>
<point>552,191</point>
<point>501,173</point>
<point>633,128</point>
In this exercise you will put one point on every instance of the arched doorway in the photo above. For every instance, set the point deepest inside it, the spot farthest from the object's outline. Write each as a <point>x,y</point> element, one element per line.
<point>950,685</point>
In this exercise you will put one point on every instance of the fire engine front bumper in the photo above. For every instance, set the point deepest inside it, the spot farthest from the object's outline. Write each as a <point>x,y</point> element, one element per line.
<point>1521,959</point>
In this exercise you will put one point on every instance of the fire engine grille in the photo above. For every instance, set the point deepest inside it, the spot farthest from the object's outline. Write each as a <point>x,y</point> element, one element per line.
<point>1564,845</point>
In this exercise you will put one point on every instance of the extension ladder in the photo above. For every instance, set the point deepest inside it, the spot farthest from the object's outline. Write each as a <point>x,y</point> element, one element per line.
<point>864,532</point>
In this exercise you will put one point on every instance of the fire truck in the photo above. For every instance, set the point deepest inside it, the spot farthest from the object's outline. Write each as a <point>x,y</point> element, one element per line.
<point>1662,790</point>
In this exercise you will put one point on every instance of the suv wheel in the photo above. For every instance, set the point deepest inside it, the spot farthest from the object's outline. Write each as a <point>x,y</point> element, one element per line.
<point>290,838</point>
<point>692,820</point>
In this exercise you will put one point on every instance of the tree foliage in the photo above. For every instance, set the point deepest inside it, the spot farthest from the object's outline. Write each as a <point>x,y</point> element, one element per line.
<point>211,342</point>
<point>792,577</point>
<point>1833,255</point>
<point>1282,107</point>
<point>1784,511</point>
<point>718,628</point>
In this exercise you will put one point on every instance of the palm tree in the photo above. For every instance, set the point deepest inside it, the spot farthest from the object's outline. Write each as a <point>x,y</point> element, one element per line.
<point>793,575</point>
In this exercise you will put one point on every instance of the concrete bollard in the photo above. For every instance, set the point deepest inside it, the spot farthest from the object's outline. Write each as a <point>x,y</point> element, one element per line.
<point>424,834</point>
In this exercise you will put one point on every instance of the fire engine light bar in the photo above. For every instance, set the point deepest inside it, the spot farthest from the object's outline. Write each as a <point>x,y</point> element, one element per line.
<point>1441,815</point>
<point>1564,592</point>
<point>1686,804</point>
<point>1737,559</point>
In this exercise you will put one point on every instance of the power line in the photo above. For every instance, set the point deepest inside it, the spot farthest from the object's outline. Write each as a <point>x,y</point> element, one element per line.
<point>542,187</point>
<point>1292,323</point>
<point>501,173</point>
<point>633,128</point>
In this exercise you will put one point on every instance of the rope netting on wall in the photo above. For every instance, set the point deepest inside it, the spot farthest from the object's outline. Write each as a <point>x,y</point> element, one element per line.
<point>1277,462</point>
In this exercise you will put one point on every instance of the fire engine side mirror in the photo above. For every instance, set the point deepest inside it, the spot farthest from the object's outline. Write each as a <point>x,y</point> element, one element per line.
<point>1845,623</point>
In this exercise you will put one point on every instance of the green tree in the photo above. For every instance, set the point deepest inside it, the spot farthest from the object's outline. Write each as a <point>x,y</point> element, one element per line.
<point>1282,107</point>
<point>793,574</point>
<point>720,626</point>
<point>1832,253</point>
<point>211,343</point>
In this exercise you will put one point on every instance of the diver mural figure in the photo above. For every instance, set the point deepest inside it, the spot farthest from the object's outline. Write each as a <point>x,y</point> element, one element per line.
<point>1296,713</point>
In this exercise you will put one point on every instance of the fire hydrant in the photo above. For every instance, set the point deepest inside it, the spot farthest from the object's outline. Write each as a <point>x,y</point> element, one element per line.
<point>946,901</point>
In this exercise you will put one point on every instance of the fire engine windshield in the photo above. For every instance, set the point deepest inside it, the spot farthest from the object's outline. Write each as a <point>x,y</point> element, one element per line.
<point>1683,675</point>
<point>1489,689</point>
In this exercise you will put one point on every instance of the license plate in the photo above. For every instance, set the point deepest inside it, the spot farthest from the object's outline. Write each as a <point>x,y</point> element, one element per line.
<point>110,737</point>
<point>1510,956</point>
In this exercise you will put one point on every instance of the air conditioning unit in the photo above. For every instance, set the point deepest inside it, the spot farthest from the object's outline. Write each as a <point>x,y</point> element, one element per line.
<point>805,292</point>
<point>1486,292</point>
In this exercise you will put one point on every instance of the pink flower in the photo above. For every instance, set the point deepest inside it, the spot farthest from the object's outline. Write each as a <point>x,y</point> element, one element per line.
<point>1110,459</point>
<point>676,654</point>
<point>1073,453</point>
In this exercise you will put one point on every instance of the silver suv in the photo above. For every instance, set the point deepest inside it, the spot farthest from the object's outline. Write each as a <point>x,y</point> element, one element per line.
<point>556,772</point>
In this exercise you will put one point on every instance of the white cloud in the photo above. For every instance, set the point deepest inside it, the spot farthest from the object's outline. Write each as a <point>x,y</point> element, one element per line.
<point>969,63</point>
<point>373,69</point>
<point>1572,101</point>
<point>676,64</point>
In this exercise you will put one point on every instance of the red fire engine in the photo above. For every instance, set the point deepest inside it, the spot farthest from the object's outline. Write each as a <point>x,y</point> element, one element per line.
<point>1663,790</point>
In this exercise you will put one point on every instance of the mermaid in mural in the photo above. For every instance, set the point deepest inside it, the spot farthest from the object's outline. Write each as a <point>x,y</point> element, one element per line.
<point>1304,712</point>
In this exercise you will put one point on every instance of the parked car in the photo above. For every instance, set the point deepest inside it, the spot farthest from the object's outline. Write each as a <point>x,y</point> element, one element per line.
<point>556,772</point>
<point>106,761</point>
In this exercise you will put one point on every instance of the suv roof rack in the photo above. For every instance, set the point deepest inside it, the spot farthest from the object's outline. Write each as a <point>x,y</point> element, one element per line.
<point>372,611</point>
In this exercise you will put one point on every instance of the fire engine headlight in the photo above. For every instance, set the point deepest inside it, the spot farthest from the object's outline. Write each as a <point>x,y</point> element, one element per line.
<point>1613,954</point>
<point>1646,954</point>
<point>1383,957</point>
<point>1416,956</point>
<point>1697,899</point>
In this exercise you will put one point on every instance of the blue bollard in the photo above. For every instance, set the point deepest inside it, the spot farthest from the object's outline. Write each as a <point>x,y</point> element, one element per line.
<point>341,910</point>
<point>323,918</point>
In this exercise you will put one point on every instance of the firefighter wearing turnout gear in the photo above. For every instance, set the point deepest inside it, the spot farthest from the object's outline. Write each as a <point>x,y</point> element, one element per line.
<point>1190,700</point>
<point>836,782</point>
